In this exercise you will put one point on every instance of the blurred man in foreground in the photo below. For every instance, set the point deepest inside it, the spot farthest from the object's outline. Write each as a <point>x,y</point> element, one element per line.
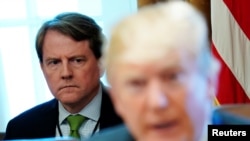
<point>162,75</point>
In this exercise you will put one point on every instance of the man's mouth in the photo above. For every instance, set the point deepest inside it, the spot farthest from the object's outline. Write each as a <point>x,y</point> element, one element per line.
<point>165,126</point>
<point>67,86</point>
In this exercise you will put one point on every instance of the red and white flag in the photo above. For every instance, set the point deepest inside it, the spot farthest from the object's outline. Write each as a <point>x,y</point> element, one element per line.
<point>230,44</point>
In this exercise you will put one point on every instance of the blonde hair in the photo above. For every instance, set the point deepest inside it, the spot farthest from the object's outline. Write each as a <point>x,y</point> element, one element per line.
<point>165,25</point>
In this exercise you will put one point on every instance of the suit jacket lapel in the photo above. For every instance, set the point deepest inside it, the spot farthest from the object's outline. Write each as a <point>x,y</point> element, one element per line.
<point>50,119</point>
<point>108,115</point>
<point>54,118</point>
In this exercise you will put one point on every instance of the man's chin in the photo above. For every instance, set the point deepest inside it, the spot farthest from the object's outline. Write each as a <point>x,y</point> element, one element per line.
<point>69,98</point>
<point>165,138</point>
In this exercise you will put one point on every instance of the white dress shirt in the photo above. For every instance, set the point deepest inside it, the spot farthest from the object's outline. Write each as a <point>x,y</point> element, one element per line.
<point>90,111</point>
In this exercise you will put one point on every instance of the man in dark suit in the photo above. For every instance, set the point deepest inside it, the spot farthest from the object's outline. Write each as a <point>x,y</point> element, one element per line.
<point>69,50</point>
<point>162,75</point>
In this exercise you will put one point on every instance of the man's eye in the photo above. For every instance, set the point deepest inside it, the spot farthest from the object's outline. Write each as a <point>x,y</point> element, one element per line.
<point>53,62</point>
<point>78,60</point>
<point>174,77</point>
<point>136,85</point>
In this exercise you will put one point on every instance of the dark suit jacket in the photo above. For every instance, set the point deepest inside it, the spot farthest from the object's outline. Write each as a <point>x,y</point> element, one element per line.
<point>41,121</point>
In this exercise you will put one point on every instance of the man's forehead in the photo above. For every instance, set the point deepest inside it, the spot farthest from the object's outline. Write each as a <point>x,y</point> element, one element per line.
<point>141,56</point>
<point>151,54</point>
<point>153,45</point>
<point>146,58</point>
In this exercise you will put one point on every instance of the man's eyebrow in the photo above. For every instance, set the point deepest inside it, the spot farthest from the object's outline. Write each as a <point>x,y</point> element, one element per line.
<point>78,56</point>
<point>51,58</point>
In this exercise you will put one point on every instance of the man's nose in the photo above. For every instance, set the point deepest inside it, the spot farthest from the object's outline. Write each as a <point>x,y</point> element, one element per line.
<point>66,72</point>
<point>157,97</point>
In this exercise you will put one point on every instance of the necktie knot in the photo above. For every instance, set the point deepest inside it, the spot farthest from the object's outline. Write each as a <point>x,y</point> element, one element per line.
<point>75,121</point>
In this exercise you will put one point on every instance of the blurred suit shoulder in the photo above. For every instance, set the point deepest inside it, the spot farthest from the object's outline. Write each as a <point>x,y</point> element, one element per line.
<point>117,133</point>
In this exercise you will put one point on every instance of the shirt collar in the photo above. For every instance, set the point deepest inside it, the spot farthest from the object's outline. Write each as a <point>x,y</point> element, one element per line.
<point>91,110</point>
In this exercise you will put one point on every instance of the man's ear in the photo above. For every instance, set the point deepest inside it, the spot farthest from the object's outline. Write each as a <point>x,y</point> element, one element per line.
<point>41,65</point>
<point>101,68</point>
<point>213,79</point>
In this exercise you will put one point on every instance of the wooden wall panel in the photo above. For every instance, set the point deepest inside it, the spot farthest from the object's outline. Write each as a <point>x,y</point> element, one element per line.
<point>141,3</point>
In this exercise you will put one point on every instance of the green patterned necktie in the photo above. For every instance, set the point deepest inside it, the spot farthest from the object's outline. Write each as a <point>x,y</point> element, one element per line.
<point>75,121</point>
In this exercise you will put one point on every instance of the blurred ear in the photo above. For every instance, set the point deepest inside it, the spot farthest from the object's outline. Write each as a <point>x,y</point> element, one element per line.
<point>213,79</point>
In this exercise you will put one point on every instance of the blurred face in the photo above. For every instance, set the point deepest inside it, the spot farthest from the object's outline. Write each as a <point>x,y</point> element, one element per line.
<point>70,69</point>
<point>164,99</point>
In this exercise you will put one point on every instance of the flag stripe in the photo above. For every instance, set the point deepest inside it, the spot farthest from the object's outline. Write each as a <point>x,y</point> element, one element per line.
<point>229,90</point>
<point>240,11</point>
<point>232,47</point>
